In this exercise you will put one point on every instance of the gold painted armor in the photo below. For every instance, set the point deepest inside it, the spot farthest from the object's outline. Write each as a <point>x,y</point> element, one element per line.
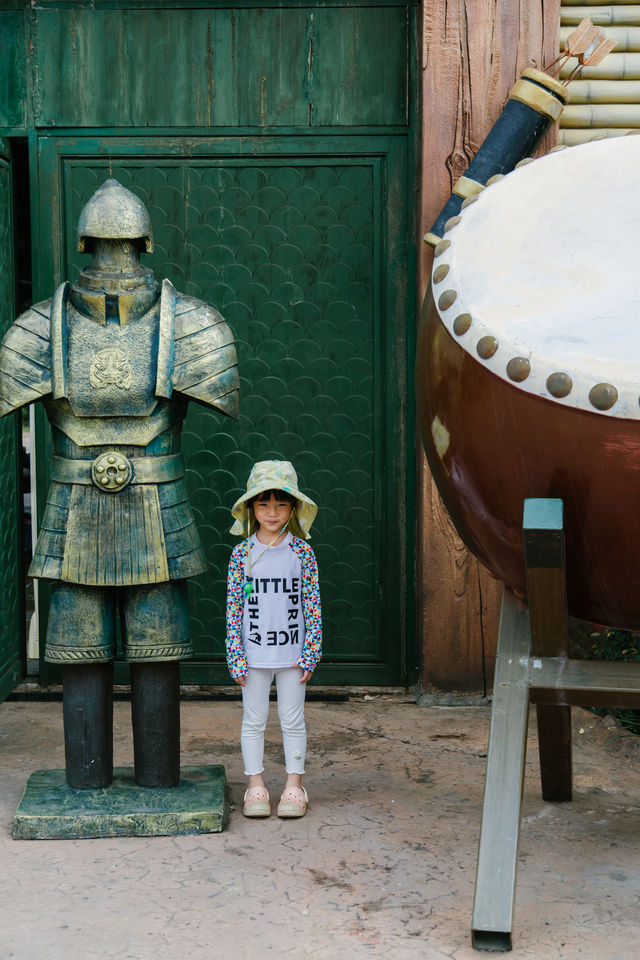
<point>115,361</point>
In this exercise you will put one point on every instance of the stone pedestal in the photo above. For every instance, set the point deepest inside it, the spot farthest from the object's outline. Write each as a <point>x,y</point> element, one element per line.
<point>51,810</point>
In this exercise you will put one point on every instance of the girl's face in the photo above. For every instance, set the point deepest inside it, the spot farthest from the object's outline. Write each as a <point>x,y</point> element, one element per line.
<point>271,513</point>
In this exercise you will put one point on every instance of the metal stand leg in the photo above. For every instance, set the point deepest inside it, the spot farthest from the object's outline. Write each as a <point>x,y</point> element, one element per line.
<point>499,835</point>
<point>155,714</point>
<point>88,724</point>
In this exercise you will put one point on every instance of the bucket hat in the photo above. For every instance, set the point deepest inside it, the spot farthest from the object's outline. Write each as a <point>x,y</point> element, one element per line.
<point>274,475</point>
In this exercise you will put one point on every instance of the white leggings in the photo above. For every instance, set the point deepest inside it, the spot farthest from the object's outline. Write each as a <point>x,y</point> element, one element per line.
<point>255,700</point>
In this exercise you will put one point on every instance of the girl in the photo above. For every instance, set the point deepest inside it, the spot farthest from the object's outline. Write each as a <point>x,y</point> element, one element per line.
<point>274,626</point>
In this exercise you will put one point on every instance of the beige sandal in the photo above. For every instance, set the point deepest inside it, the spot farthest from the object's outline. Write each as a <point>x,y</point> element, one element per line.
<point>290,803</point>
<point>256,802</point>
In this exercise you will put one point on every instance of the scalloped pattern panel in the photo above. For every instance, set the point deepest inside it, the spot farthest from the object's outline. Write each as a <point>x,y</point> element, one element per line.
<point>10,572</point>
<point>287,253</point>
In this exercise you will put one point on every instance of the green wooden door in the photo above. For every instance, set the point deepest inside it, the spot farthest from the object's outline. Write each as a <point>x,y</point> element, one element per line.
<point>11,573</point>
<point>274,148</point>
<point>302,245</point>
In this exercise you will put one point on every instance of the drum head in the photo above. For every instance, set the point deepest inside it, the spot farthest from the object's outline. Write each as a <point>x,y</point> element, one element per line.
<point>539,278</point>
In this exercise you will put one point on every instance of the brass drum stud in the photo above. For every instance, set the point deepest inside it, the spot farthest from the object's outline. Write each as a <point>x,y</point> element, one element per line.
<point>447,299</point>
<point>518,369</point>
<point>461,324</point>
<point>559,385</point>
<point>603,396</point>
<point>441,247</point>
<point>451,223</point>
<point>486,347</point>
<point>440,272</point>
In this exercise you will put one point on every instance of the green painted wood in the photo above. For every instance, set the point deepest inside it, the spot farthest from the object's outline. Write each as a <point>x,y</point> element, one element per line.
<point>11,572</point>
<point>356,78</point>
<point>171,67</point>
<point>290,67</point>
<point>200,4</point>
<point>50,810</point>
<point>13,76</point>
<point>302,246</point>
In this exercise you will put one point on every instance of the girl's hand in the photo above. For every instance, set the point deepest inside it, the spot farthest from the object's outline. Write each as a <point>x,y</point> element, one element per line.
<point>307,674</point>
<point>241,680</point>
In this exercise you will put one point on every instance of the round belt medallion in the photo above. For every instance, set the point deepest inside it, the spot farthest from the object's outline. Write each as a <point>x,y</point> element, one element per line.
<point>111,471</point>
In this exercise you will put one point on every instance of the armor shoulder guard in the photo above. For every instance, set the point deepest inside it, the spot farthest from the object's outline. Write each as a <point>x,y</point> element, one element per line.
<point>25,359</point>
<point>205,365</point>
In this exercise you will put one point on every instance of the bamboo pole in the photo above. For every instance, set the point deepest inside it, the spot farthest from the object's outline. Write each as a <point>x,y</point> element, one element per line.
<point>617,14</point>
<point>627,38</point>
<point>601,115</point>
<point>617,66</point>
<point>604,91</point>
<point>573,137</point>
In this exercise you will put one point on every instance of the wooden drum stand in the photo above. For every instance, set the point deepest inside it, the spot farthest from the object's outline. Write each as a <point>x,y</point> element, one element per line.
<point>533,666</point>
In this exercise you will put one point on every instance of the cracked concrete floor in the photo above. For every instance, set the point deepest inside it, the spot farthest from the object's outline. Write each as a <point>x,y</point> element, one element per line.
<point>382,866</point>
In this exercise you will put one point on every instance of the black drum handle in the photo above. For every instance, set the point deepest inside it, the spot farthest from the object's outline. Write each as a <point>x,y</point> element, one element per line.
<point>535,103</point>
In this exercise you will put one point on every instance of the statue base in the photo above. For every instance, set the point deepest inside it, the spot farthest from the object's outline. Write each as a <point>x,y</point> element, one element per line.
<point>51,810</point>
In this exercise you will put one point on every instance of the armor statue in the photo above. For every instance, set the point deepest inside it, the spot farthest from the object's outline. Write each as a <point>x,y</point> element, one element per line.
<point>115,359</point>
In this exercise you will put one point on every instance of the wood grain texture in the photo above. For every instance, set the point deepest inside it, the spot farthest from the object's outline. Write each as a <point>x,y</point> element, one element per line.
<point>472,53</point>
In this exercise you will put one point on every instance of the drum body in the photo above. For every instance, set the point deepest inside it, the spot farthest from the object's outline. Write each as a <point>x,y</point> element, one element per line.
<point>528,372</point>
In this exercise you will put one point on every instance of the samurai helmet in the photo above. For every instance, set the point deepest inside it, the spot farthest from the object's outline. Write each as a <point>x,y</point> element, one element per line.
<point>114,213</point>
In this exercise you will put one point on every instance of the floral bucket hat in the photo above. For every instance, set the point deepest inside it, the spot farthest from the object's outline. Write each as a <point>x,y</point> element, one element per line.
<point>273,475</point>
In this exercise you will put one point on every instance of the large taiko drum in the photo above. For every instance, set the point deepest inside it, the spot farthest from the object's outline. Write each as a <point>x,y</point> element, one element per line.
<point>528,370</point>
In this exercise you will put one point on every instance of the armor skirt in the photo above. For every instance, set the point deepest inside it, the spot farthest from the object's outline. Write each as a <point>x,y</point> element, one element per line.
<point>144,533</point>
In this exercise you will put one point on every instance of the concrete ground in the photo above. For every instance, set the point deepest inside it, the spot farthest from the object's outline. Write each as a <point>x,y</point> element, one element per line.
<point>383,865</point>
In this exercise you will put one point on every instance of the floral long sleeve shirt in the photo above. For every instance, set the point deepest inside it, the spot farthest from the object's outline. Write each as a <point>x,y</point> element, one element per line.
<point>310,599</point>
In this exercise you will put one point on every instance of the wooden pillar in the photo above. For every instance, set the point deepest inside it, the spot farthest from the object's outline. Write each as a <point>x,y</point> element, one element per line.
<point>472,53</point>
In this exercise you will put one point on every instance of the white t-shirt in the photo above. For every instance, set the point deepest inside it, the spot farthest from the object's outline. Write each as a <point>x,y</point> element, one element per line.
<point>273,624</point>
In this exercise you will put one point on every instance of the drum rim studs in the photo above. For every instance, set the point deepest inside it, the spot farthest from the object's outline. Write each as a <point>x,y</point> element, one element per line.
<point>447,299</point>
<point>440,272</point>
<point>603,396</point>
<point>559,384</point>
<point>486,347</point>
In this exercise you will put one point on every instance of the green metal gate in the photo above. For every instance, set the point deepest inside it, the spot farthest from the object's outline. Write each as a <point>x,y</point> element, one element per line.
<point>274,150</point>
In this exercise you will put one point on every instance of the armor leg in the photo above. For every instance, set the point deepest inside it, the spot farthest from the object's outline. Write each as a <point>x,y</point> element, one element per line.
<point>155,715</point>
<point>88,724</point>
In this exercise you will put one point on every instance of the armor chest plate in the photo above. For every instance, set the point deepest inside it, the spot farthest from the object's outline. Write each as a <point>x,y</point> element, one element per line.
<point>111,369</point>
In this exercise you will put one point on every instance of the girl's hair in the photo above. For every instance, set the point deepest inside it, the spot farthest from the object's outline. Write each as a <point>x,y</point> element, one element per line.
<point>278,494</point>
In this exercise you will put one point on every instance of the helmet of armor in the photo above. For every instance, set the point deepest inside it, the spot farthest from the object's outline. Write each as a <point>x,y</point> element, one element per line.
<point>114,213</point>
